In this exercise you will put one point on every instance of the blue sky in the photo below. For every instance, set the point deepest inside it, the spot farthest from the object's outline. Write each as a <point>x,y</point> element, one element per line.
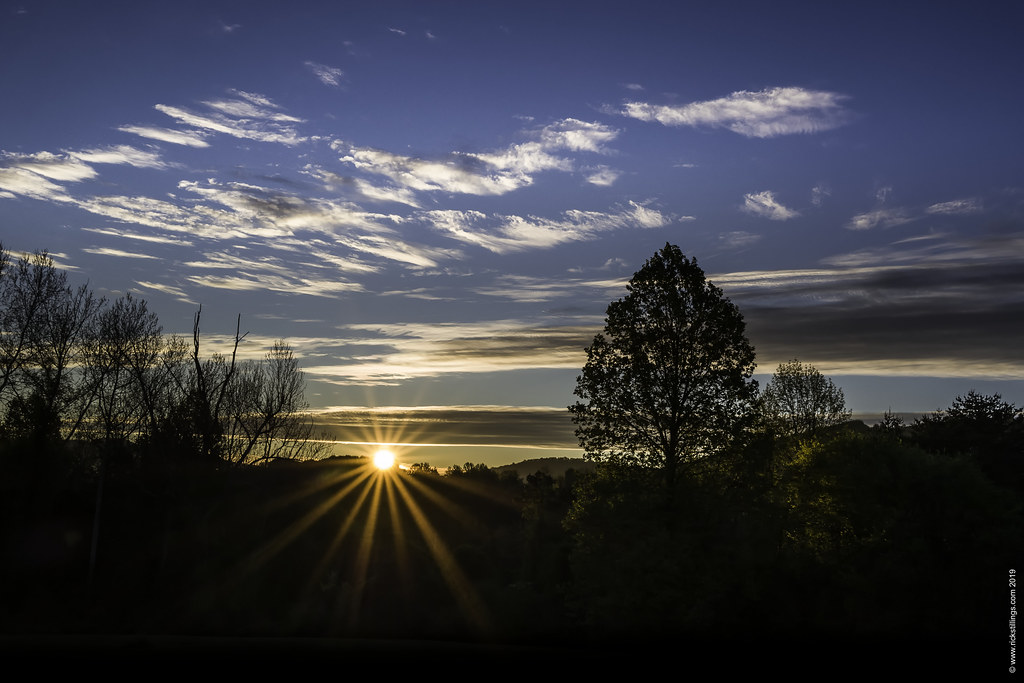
<point>434,202</point>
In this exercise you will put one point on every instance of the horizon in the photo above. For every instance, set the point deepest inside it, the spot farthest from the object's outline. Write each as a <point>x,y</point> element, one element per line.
<point>434,204</point>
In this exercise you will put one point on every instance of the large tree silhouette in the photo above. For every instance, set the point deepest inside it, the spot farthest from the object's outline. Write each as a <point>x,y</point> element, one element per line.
<point>668,380</point>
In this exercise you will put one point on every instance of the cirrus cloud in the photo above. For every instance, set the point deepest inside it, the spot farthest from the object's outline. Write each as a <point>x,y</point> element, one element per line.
<point>762,114</point>
<point>765,205</point>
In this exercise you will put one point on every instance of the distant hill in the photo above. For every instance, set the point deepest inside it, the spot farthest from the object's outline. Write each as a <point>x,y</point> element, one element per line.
<point>555,467</point>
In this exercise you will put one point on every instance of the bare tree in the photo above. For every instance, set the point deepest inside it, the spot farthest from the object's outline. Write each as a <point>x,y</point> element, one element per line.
<point>249,412</point>
<point>123,370</point>
<point>27,290</point>
<point>45,327</point>
<point>269,417</point>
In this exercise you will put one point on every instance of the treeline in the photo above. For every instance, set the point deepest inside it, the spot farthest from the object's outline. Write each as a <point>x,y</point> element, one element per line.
<point>132,506</point>
<point>722,508</point>
<point>76,369</point>
<point>839,531</point>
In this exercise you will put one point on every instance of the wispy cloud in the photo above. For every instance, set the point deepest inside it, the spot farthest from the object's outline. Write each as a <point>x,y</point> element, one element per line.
<point>739,239</point>
<point>169,135</point>
<point>245,115</point>
<point>37,175</point>
<point>603,176</point>
<point>884,217</point>
<point>762,114</point>
<point>765,205</point>
<point>957,206</point>
<point>524,288</point>
<point>485,173</point>
<point>165,288</point>
<point>328,75</point>
<point>105,251</point>
<point>401,351</point>
<point>267,273</point>
<point>130,234</point>
<point>505,234</point>
<point>58,167</point>
<point>461,173</point>
<point>928,305</point>
<point>819,192</point>
<point>16,181</point>
<point>122,154</point>
<point>448,426</point>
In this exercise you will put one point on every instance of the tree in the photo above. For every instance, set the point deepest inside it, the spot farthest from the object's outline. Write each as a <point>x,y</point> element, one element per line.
<point>987,429</point>
<point>668,381</point>
<point>28,289</point>
<point>267,414</point>
<point>242,412</point>
<point>800,401</point>
<point>122,361</point>
<point>45,326</point>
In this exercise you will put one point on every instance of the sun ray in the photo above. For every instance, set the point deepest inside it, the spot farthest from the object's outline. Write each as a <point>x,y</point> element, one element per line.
<point>398,529</point>
<point>470,604</point>
<point>362,559</point>
<point>294,530</point>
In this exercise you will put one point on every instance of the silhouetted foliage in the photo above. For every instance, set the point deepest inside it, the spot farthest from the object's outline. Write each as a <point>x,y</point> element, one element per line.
<point>668,381</point>
<point>799,401</point>
<point>131,506</point>
<point>73,367</point>
<point>986,429</point>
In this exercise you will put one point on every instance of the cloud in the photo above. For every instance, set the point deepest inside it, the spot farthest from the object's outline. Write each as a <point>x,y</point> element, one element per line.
<point>128,234</point>
<point>739,239</point>
<point>122,154</point>
<point>187,138</point>
<point>104,251</point>
<point>451,425</point>
<point>37,175</point>
<point>174,137</point>
<point>958,206</point>
<point>247,116</point>
<point>175,292</point>
<point>930,305</point>
<point>59,167</point>
<point>328,75</point>
<point>885,218</point>
<point>459,173</point>
<point>523,288</point>
<point>362,188</point>
<point>486,173</point>
<point>503,234</point>
<point>18,181</point>
<point>268,273</point>
<point>765,205</point>
<point>391,353</point>
<point>762,114</point>
<point>603,176</point>
<point>819,192</point>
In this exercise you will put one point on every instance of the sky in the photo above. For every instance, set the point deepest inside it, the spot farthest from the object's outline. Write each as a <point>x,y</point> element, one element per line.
<point>434,202</point>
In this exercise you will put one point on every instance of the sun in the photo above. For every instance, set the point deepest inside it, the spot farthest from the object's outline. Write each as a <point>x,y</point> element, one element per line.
<point>384,459</point>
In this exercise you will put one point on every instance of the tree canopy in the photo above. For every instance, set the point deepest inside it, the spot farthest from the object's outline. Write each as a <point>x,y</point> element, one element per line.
<point>799,400</point>
<point>668,380</point>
